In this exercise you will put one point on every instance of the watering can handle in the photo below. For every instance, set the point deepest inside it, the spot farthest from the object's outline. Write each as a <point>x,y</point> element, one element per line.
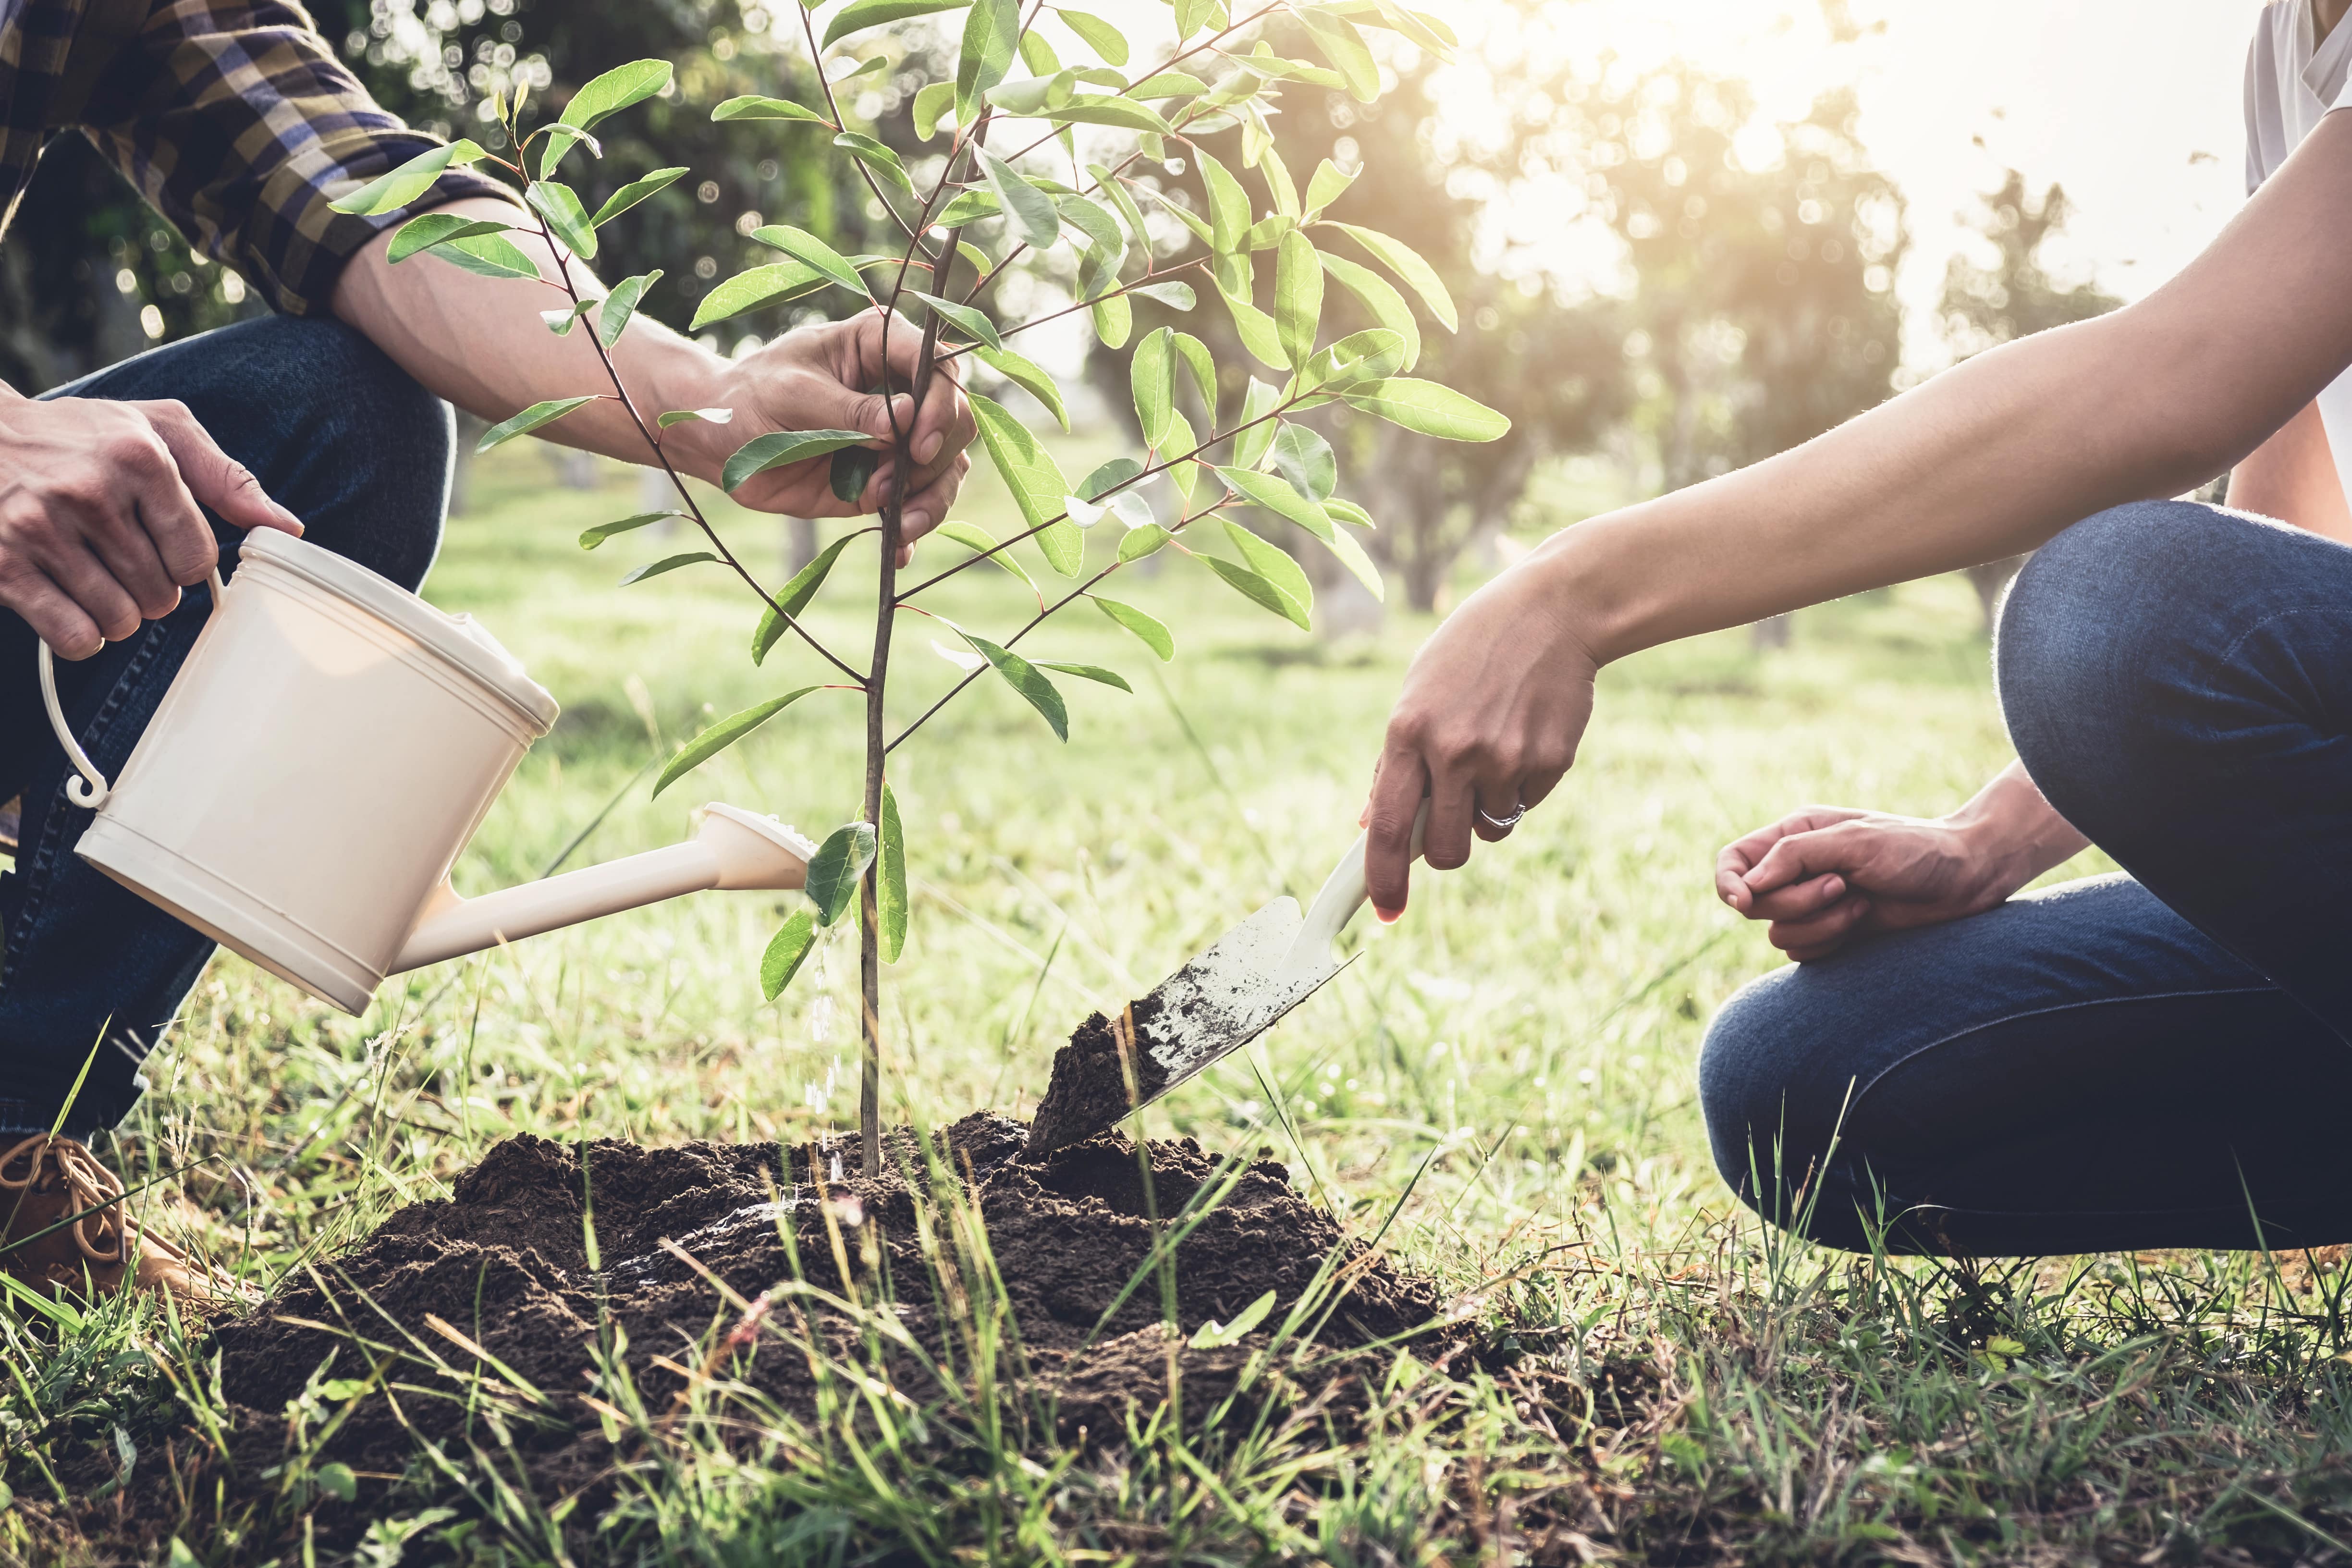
<point>91,789</point>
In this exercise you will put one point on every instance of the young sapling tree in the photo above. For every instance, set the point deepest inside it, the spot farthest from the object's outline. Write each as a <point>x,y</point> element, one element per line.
<point>1057,172</point>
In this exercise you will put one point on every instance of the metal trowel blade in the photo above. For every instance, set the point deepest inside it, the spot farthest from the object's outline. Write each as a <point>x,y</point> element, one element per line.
<point>1227,995</point>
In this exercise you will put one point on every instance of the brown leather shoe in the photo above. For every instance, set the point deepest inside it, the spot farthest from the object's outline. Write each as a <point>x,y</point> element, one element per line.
<point>55,1198</point>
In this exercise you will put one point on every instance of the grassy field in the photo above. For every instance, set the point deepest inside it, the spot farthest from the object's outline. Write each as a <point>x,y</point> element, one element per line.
<point>1522,1042</point>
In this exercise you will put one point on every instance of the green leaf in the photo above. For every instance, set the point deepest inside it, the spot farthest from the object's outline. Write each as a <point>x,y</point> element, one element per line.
<point>1175,296</point>
<point>1032,209</point>
<point>706,415</point>
<point>633,192</point>
<point>1256,432</point>
<point>1191,15</point>
<point>336,1480</point>
<point>1093,109</point>
<point>1180,439</point>
<point>529,420</point>
<point>768,285</point>
<point>559,322</point>
<point>1203,366</point>
<point>1257,589</point>
<point>1427,407</point>
<point>1380,301</point>
<point>1088,672</point>
<point>778,447</point>
<point>1029,377</point>
<point>973,325</point>
<point>1033,95</point>
<point>803,246</point>
<point>966,207</point>
<point>1037,54</point>
<point>795,596</point>
<point>1351,555</point>
<point>1229,207</point>
<point>990,33</point>
<point>419,232</point>
<point>390,192</point>
<point>753,106</point>
<point>1297,297</point>
<point>979,542</point>
<point>1349,511</point>
<point>1107,475</point>
<point>1154,635</point>
<point>1035,481</point>
<point>1275,564</point>
<point>487,255</point>
<point>1345,48</point>
<point>1368,355</point>
<point>1406,263</point>
<point>592,538</point>
<point>1102,38</point>
<point>612,316</point>
<point>890,886</point>
<point>1152,374</point>
<point>1328,186</point>
<point>563,210</point>
<point>1141,542</point>
<point>866,66</point>
<point>786,950</point>
<point>861,15</point>
<point>1305,458</point>
<point>876,157</point>
<point>833,870</point>
<point>1114,318</point>
<point>1024,677</point>
<point>1214,1335</point>
<point>667,563</point>
<point>1256,329</point>
<point>1278,497</point>
<point>1166,85</point>
<point>614,91</point>
<point>851,471</point>
<point>723,734</point>
<point>931,105</point>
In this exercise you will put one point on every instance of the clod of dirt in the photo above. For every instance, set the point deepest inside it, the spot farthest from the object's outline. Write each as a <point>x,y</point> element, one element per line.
<point>497,1282</point>
<point>1089,1091</point>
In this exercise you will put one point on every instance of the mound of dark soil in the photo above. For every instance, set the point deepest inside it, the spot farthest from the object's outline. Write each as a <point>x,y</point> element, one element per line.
<point>505,1264</point>
<point>1089,1091</point>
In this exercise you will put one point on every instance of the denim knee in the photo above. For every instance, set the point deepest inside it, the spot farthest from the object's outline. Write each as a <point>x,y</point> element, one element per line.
<point>1763,1146</point>
<point>390,443</point>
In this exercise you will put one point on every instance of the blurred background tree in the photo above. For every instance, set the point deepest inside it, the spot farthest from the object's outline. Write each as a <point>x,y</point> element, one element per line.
<point>2005,292</point>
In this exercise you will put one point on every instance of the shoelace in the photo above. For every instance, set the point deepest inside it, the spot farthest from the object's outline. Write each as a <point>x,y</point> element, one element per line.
<point>88,1185</point>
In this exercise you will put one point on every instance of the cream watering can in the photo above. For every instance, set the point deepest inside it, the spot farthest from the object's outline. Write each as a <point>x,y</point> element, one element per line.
<point>328,749</point>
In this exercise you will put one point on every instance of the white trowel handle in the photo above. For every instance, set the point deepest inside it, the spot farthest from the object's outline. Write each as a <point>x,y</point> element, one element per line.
<point>1343,894</point>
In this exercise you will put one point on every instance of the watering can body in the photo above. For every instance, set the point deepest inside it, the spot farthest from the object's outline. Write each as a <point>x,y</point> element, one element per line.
<point>323,756</point>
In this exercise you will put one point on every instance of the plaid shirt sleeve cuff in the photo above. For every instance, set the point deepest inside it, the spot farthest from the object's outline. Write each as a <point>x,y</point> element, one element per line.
<point>310,243</point>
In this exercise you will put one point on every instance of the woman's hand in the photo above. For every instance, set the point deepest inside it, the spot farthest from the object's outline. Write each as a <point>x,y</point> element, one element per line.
<point>1827,874</point>
<point>1488,721</point>
<point>816,378</point>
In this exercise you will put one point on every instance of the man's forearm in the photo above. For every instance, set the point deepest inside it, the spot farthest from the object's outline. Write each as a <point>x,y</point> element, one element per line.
<point>2017,833</point>
<point>479,342</point>
<point>1995,456</point>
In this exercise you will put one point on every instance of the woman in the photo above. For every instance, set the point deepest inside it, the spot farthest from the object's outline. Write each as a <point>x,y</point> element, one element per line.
<point>2156,1060</point>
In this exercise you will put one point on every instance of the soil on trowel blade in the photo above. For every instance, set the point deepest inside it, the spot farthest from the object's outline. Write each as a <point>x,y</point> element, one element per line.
<point>1089,1091</point>
<point>497,1281</point>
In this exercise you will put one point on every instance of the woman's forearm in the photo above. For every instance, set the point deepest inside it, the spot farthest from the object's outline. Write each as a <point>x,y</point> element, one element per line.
<point>1995,455</point>
<point>2015,831</point>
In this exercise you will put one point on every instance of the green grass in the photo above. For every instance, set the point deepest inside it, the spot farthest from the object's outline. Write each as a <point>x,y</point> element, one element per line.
<point>1688,1388</point>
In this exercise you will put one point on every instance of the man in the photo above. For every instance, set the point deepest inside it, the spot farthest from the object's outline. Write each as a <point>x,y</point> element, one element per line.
<point>234,119</point>
<point>2159,1059</point>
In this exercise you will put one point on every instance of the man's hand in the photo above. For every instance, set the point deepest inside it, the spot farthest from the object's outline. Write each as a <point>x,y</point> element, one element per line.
<point>1826,874</point>
<point>99,522</point>
<point>814,378</point>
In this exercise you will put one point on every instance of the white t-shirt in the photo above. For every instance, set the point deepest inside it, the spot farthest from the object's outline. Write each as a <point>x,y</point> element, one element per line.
<point>2290,83</point>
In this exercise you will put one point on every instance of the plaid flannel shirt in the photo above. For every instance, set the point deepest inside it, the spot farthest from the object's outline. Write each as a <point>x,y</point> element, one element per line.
<point>233,118</point>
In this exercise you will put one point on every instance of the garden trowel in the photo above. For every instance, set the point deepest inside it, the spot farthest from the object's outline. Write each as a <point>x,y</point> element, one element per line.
<point>1220,1001</point>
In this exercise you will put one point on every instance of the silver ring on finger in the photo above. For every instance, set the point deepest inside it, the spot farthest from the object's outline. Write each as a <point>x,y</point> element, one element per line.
<point>1502,822</point>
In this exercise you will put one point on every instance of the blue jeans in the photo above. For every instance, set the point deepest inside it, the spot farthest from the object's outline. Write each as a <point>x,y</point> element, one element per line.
<point>344,439</point>
<point>2157,1059</point>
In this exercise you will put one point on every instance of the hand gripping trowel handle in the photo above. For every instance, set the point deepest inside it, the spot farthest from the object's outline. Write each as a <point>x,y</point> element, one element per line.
<point>1343,894</point>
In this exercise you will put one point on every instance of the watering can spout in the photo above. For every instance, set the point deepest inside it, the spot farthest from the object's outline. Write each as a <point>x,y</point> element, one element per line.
<point>734,849</point>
